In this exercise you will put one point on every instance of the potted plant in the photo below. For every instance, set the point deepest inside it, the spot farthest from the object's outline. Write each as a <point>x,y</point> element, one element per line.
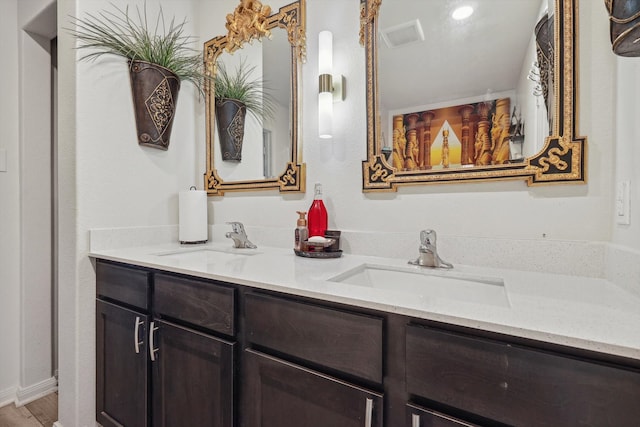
<point>236,94</point>
<point>159,58</point>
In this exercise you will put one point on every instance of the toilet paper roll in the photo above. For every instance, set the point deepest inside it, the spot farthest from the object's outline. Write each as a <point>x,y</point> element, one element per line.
<point>192,215</point>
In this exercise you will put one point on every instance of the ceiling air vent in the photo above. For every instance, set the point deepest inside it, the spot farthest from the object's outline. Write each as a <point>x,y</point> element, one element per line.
<point>402,34</point>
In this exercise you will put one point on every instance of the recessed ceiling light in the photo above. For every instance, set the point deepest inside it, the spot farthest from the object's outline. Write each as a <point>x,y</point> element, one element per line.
<point>462,12</point>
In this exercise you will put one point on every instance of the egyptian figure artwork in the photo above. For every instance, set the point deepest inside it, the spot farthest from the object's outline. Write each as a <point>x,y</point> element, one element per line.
<point>445,148</point>
<point>468,135</point>
<point>399,142</point>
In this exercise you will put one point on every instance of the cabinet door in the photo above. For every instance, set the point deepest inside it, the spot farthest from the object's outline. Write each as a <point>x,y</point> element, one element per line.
<point>278,394</point>
<point>192,378</point>
<point>121,366</point>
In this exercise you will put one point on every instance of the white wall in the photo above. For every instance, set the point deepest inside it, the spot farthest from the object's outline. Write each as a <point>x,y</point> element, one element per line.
<point>9,204</point>
<point>109,181</point>
<point>627,135</point>
<point>25,218</point>
<point>35,165</point>
<point>71,406</point>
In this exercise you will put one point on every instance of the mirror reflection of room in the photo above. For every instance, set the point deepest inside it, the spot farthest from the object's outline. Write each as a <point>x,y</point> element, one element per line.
<point>487,84</point>
<point>265,145</point>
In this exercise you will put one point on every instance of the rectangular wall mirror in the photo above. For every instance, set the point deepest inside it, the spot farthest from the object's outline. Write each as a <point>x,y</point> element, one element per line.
<point>263,52</point>
<point>490,96</point>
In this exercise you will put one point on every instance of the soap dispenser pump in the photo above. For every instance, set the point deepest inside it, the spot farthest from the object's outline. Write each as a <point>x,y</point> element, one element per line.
<point>302,232</point>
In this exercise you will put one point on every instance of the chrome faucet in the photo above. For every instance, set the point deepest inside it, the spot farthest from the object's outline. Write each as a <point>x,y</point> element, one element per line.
<point>429,252</point>
<point>239,236</point>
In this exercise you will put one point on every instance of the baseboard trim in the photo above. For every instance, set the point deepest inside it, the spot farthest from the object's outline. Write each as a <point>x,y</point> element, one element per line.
<point>35,391</point>
<point>7,396</point>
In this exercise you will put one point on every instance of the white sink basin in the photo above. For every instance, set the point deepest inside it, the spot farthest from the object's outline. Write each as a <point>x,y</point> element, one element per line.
<point>428,283</point>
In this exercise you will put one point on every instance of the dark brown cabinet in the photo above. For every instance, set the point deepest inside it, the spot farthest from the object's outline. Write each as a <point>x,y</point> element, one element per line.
<point>157,372</point>
<point>345,342</point>
<point>182,351</point>
<point>278,394</point>
<point>333,344</point>
<point>518,385</point>
<point>122,366</point>
<point>192,378</point>
<point>195,302</point>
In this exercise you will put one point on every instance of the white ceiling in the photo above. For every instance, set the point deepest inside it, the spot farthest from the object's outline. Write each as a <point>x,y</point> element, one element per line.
<point>457,59</point>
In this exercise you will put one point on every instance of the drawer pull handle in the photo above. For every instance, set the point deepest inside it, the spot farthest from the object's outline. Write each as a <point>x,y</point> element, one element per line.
<point>415,420</point>
<point>368,415</point>
<point>152,350</point>
<point>136,335</point>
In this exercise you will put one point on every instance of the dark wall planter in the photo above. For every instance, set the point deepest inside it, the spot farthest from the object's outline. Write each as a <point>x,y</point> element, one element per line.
<point>155,95</point>
<point>230,117</point>
<point>545,52</point>
<point>624,26</point>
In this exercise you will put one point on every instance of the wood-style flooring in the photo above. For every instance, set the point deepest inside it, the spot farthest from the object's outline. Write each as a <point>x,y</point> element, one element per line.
<point>39,413</point>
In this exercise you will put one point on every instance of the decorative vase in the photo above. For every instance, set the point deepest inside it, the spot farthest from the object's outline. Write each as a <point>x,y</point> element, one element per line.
<point>545,54</point>
<point>624,26</point>
<point>155,95</point>
<point>230,117</point>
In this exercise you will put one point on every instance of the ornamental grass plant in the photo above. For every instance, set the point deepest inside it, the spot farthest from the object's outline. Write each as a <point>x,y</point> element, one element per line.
<point>132,35</point>
<point>240,85</point>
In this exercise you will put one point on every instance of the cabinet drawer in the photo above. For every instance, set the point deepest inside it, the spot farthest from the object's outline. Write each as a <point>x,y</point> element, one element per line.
<point>124,284</point>
<point>517,385</point>
<point>347,342</point>
<point>198,302</point>
<point>421,417</point>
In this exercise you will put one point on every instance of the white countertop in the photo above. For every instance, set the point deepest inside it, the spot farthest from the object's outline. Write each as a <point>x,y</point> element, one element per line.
<point>581,312</point>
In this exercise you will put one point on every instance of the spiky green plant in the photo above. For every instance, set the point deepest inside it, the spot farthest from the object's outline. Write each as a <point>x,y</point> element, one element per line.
<point>239,85</point>
<point>134,37</point>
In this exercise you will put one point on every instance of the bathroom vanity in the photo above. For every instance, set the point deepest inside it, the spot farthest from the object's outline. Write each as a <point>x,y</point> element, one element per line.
<point>206,338</point>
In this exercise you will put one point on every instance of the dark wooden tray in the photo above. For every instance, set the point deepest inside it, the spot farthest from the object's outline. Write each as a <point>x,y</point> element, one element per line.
<point>307,254</point>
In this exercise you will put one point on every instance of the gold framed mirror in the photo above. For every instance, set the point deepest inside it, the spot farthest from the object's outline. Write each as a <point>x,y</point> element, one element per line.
<point>457,132</point>
<point>270,156</point>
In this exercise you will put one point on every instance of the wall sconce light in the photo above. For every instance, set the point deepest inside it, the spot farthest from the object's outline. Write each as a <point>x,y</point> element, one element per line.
<point>331,88</point>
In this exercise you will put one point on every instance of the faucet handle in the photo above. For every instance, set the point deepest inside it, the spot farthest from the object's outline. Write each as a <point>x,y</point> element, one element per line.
<point>428,237</point>
<point>236,226</point>
<point>239,236</point>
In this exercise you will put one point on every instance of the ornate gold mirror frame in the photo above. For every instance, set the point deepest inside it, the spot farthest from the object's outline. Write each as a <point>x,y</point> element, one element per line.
<point>563,157</point>
<point>252,21</point>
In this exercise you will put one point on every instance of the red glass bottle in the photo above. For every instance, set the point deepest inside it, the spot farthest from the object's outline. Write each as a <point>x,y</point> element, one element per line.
<point>317,217</point>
